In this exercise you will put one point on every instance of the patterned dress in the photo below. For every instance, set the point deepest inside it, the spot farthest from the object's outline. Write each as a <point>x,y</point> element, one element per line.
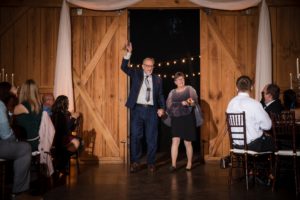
<point>183,122</point>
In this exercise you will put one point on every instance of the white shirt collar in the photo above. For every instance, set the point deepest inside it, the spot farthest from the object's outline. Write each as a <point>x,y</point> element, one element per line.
<point>267,104</point>
<point>243,94</point>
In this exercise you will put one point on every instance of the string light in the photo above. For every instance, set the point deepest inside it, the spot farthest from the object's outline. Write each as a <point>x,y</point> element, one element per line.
<point>174,62</point>
<point>173,75</point>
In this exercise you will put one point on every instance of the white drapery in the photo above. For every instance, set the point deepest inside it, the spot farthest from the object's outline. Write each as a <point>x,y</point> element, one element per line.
<point>227,4</point>
<point>263,72</point>
<point>63,84</point>
<point>103,4</point>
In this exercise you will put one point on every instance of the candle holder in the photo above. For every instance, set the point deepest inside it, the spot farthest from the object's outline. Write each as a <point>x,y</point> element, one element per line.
<point>296,83</point>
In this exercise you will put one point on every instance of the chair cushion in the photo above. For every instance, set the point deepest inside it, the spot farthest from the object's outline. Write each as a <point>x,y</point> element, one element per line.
<point>287,153</point>
<point>242,151</point>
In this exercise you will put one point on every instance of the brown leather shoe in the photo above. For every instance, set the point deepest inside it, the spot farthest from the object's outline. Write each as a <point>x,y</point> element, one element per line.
<point>151,168</point>
<point>134,167</point>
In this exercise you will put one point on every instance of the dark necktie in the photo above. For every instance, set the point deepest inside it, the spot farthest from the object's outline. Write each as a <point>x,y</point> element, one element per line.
<point>148,89</point>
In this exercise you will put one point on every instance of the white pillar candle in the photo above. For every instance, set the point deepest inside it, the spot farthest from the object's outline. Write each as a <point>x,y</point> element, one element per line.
<point>291,81</point>
<point>6,77</point>
<point>12,79</point>
<point>2,74</point>
<point>297,66</point>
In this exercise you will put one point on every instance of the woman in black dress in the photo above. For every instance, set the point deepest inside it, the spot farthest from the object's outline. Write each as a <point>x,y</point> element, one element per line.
<point>180,104</point>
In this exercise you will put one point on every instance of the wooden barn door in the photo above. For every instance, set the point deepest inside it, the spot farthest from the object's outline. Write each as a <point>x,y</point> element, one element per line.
<point>228,49</point>
<point>100,85</point>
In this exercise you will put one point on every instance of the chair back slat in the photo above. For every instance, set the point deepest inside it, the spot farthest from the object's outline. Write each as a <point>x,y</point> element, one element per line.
<point>236,125</point>
<point>284,130</point>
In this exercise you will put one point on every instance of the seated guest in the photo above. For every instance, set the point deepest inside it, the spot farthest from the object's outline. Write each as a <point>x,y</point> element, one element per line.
<point>19,152</point>
<point>257,119</point>
<point>28,112</point>
<point>11,100</point>
<point>290,102</point>
<point>48,100</point>
<point>271,101</point>
<point>65,143</point>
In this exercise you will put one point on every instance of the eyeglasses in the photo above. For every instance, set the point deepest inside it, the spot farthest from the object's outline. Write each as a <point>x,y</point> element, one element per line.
<point>145,65</point>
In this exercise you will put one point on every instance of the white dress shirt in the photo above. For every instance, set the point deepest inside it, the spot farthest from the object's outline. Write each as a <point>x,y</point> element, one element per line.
<point>143,91</point>
<point>257,119</point>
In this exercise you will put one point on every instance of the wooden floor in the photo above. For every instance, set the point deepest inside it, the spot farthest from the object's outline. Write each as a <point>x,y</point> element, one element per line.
<point>205,181</point>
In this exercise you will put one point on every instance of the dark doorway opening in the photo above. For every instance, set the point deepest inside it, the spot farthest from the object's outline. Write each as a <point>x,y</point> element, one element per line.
<point>172,38</point>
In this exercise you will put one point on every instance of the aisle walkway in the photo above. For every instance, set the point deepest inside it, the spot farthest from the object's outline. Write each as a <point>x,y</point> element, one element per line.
<point>205,181</point>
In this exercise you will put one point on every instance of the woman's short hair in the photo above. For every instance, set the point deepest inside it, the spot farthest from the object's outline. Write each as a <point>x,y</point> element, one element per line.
<point>274,90</point>
<point>178,74</point>
<point>244,83</point>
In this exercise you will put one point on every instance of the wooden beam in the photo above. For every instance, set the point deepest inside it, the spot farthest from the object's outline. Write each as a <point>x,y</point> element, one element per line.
<point>93,13</point>
<point>31,3</point>
<point>215,143</point>
<point>149,4</point>
<point>94,112</point>
<point>216,33</point>
<point>7,26</point>
<point>283,3</point>
<point>100,50</point>
<point>167,4</point>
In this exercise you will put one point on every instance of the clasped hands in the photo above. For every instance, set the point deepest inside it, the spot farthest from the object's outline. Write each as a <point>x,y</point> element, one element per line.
<point>188,102</point>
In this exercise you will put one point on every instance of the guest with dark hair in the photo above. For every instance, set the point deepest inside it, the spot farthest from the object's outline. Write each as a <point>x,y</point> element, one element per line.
<point>257,119</point>
<point>271,101</point>
<point>10,148</point>
<point>290,102</point>
<point>289,99</point>
<point>65,143</point>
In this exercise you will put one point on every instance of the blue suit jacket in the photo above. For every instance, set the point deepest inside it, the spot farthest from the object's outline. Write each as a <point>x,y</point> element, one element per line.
<point>137,76</point>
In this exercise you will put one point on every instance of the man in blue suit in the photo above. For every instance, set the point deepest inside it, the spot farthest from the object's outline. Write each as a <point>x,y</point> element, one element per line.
<point>146,102</point>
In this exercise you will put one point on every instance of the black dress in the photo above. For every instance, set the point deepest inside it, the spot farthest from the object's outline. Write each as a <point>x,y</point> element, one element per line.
<point>183,123</point>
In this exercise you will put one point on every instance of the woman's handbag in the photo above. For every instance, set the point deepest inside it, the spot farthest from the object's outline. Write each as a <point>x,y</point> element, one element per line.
<point>198,115</point>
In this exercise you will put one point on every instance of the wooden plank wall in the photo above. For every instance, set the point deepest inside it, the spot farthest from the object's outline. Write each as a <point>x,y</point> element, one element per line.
<point>228,46</point>
<point>98,38</point>
<point>285,25</point>
<point>28,44</point>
